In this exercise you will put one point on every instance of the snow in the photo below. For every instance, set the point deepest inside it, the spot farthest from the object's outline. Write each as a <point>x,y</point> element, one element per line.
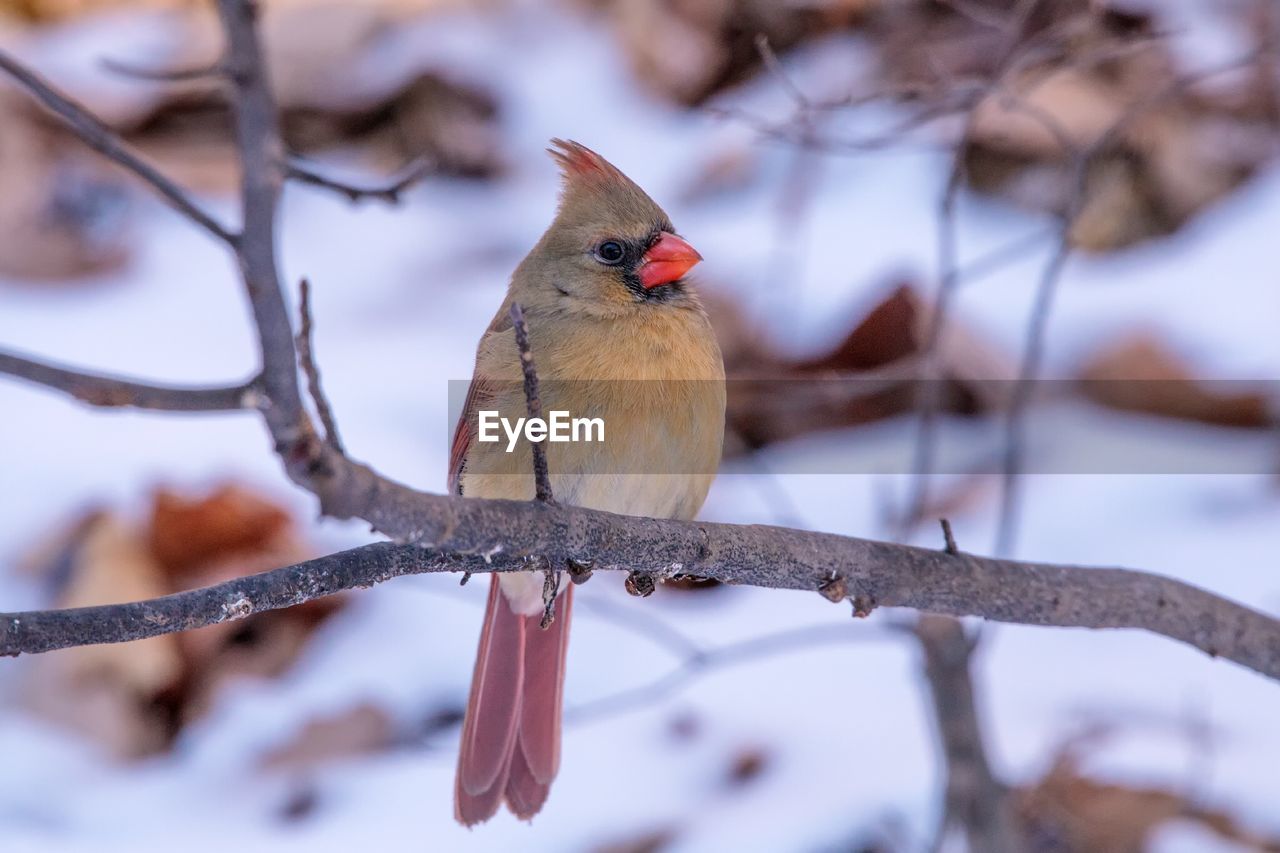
<point>400,297</point>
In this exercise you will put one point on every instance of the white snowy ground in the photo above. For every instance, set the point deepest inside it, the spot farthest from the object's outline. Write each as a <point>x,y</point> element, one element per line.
<point>401,295</point>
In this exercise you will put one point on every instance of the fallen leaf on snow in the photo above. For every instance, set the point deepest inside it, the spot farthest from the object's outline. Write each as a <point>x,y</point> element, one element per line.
<point>360,730</point>
<point>1141,374</point>
<point>134,697</point>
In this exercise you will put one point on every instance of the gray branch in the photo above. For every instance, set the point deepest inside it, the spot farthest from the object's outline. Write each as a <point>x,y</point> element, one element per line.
<point>102,139</point>
<point>96,389</point>
<point>533,402</point>
<point>390,192</point>
<point>974,801</point>
<point>456,534</point>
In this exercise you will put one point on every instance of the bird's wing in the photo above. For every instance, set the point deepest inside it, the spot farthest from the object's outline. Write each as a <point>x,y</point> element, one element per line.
<point>480,392</point>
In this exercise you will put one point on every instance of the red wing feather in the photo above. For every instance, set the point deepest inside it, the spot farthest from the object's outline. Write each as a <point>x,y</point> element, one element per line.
<point>479,393</point>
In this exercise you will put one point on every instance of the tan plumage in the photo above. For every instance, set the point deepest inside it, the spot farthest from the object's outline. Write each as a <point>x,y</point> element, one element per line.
<point>625,341</point>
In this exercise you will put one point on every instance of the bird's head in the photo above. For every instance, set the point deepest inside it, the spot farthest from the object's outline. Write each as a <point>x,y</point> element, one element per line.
<point>610,243</point>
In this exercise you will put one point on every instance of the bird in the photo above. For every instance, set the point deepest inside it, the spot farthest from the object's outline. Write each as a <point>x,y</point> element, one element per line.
<point>616,332</point>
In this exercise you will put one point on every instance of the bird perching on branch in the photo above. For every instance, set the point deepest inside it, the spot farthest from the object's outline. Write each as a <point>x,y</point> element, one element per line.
<point>619,335</point>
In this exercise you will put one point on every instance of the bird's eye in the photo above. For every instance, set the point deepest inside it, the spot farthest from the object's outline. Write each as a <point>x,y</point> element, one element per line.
<point>610,252</point>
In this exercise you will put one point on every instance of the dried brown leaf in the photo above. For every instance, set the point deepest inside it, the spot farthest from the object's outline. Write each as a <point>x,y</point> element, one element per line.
<point>134,697</point>
<point>1081,815</point>
<point>1141,374</point>
<point>63,212</point>
<point>188,534</point>
<point>653,841</point>
<point>108,692</point>
<point>357,731</point>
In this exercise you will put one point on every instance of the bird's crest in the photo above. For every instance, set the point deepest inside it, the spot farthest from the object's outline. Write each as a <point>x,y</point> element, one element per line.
<point>579,164</point>
<point>595,193</point>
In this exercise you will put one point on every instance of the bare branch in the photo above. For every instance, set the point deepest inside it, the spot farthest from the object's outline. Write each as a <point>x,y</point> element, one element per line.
<point>1002,255</point>
<point>112,392</point>
<point>774,65</point>
<point>533,401</point>
<point>541,473</point>
<point>977,14</point>
<point>107,143</point>
<point>390,192</point>
<point>455,533</point>
<point>948,249</point>
<point>642,622</point>
<point>258,141</point>
<point>1046,290</point>
<point>306,357</point>
<point>949,537</point>
<point>975,799</point>
<point>698,661</point>
<point>1015,417</point>
<point>160,75</point>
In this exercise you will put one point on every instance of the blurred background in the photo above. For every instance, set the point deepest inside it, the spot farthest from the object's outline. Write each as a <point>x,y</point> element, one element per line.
<point>1062,214</point>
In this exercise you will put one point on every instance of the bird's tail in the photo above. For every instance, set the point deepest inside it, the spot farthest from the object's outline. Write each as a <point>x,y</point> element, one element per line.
<point>511,734</point>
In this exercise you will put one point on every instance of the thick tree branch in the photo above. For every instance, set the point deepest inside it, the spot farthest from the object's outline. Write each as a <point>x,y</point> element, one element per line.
<point>467,534</point>
<point>101,139</point>
<point>111,392</point>
<point>974,799</point>
<point>262,156</point>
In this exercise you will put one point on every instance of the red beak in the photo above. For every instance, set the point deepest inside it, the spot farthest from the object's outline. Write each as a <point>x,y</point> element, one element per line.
<point>666,261</point>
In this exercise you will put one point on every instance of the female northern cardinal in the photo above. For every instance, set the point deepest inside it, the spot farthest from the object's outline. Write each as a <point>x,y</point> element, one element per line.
<point>606,304</point>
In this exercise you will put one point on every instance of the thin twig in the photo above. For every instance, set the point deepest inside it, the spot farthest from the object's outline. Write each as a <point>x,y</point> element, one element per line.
<point>389,192</point>
<point>948,255</point>
<point>927,398</point>
<point>948,537</point>
<point>772,63</point>
<point>161,75</point>
<point>310,369</point>
<point>694,661</point>
<point>101,139</point>
<point>533,403</point>
<point>700,661</point>
<point>541,473</point>
<point>977,14</point>
<point>550,589</point>
<point>1020,398</point>
<point>1046,290</point>
<point>113,392</point>
<point>642,622</point>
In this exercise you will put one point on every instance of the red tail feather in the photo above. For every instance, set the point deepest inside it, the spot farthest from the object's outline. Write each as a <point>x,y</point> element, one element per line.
<point>511,735</point>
